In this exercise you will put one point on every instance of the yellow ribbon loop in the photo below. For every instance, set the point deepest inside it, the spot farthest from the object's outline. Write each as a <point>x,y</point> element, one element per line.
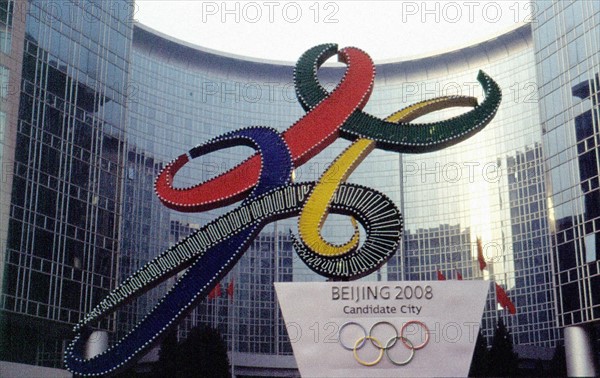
<point>315,211</point>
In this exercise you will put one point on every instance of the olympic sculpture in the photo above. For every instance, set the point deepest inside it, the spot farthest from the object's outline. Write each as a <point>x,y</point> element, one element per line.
<point>263,184</point>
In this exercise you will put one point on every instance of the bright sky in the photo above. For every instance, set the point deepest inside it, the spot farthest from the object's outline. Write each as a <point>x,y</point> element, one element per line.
<point>283,30</point>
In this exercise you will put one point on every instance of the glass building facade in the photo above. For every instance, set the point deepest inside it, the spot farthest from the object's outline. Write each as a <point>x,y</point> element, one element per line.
<point>63,150</point>
<point>567,47</point>
<point>93,107</point>
<point>491,186</point>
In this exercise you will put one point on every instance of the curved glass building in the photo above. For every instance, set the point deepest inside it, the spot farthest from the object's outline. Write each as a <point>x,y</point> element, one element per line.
<point>491,186</point>
<point>95,106</point>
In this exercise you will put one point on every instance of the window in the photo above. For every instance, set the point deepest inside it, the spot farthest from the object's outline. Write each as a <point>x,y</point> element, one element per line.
<point>4,81</point>
<point>590,248</point>
<point>6,12</point>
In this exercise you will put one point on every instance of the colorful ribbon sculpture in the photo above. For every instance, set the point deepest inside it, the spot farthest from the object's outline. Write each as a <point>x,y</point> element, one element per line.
<point>263,183</point>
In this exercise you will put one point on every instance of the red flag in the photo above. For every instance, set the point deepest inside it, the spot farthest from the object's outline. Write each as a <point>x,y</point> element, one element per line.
<point>480,257</point>
<point>458,276</point>
<point>440,276</point>
<point>504,300</point>
<point>215,292</point>
<point>230,289</point>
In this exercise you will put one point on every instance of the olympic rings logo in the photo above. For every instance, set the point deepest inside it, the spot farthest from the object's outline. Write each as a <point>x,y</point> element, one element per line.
<point>361,341</point>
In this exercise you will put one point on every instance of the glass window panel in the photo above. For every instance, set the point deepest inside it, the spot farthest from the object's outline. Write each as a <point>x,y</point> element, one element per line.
<point>4,81</point>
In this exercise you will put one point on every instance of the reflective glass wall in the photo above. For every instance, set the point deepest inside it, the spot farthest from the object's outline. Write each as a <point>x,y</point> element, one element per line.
<point>62,246</point>
<point>491,186</point>
<point>12,32</point>
<point>567,45</point>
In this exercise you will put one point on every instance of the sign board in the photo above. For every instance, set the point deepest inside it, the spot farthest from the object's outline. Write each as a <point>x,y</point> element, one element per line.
<point>383,329</point>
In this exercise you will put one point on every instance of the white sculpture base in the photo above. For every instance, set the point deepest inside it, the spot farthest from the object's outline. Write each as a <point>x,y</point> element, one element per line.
<point>440,319</point>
